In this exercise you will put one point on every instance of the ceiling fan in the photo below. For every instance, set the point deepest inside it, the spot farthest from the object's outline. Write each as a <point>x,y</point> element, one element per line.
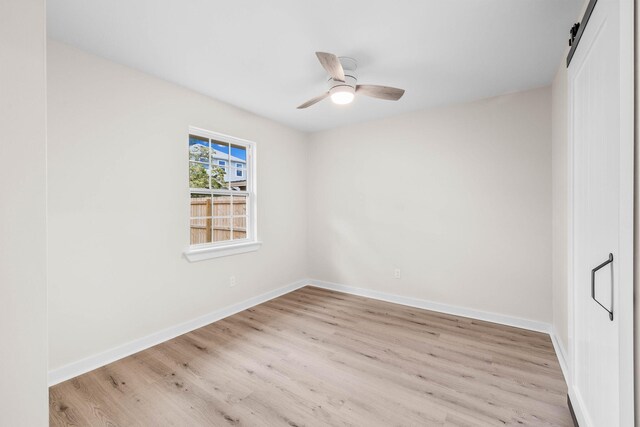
<point>343,82</point>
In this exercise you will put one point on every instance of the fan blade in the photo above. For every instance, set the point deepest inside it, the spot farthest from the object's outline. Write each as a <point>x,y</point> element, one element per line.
<point>312,101</point>
<point>332,64</point>
<point>382,92</point>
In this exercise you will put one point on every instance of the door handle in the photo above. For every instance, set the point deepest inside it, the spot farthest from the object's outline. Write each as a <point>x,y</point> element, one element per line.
<point>593,286</point>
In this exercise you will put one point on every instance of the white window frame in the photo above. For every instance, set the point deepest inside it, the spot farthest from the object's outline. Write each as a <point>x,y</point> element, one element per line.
<point>230,247</point>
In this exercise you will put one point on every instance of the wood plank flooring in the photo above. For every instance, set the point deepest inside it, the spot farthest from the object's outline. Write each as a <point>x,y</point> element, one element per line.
<point>315,358</point>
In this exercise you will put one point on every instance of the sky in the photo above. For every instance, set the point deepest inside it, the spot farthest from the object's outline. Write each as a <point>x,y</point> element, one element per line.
<point>239,152</point>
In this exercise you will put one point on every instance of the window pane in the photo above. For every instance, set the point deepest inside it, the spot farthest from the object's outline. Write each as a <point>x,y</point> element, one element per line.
<point>198,175</point>
<point>220,165</point>
<point>240,209</point>
<point>198,149</point>
<point>237,179</point>
<point>201,205</point>
<point>219,180</point>
<point>240,205</point>
<point>219,152</point>
<point>221,229</point>
<point>239,227</point>
<point>221,205</point>
<point>200,231</point>
<point>238,171</point>
<point>238,155</point>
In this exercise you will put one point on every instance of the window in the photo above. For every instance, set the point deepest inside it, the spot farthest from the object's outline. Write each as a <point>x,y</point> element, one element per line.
<point>222,198</point>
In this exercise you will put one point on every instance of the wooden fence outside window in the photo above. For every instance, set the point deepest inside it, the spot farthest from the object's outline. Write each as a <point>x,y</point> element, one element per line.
<point>211,218</point>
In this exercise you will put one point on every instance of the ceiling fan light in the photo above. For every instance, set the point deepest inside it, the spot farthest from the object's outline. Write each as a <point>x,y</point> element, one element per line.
<point>342,97</point>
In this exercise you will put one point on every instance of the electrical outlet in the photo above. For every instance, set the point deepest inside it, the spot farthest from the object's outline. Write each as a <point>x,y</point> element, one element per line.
<point>232,281</point>
<point>396,273</point>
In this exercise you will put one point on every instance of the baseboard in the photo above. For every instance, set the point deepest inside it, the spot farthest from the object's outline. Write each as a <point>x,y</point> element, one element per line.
<point>93,362</point>
<point>502,319</point>
<point>577,408</point>
<point>561,353</point>
<point>572,412</point>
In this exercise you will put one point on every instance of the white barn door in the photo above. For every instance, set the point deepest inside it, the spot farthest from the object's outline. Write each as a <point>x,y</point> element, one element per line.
<point>601,140</point>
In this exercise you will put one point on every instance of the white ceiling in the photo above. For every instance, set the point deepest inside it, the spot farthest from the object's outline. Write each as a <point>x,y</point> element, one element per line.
<point>259,55</point>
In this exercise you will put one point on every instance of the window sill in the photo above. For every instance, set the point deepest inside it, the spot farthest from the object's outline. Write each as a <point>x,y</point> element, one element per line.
<point>200,254</point>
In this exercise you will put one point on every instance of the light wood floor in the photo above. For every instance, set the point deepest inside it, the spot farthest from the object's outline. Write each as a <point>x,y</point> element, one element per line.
<point>315,358</point>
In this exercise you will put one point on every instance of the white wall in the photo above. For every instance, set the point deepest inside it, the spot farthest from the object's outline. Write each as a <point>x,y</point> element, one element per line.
<point>118,206</point>
<point>23,291</point>
<point>560,143</point>
<point>458,198</point>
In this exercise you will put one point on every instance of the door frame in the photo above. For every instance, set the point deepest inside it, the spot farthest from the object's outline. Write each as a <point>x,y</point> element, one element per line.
<point>625,256</point>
